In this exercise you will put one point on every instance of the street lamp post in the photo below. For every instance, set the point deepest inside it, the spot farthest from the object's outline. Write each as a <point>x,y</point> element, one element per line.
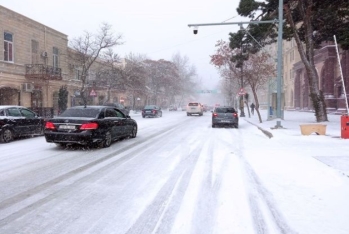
<point>279,66</point>
<point>242,113</point>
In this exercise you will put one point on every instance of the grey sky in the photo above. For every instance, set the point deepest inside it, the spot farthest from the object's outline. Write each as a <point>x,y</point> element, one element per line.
<point>157,28</point>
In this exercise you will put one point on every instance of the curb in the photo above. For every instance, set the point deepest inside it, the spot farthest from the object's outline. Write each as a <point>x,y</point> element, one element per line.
<point>267,133</point>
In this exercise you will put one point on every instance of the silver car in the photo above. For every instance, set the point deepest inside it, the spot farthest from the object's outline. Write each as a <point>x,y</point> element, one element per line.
<point>225,116</point>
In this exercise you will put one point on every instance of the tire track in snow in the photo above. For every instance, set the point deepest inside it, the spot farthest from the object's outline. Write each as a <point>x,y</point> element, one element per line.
<point>160,215</point>
<point>266,217</point>
<point>39,189</point>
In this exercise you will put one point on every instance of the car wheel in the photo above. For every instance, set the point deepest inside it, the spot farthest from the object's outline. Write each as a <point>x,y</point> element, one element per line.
<point>236,126</point>
<point>143,116</point>
<point>133,132</point>
<point>6,136</point>
<point>188,114</point>
<point>213,126</point>
<point>161,114</point>
<point>106,142</point>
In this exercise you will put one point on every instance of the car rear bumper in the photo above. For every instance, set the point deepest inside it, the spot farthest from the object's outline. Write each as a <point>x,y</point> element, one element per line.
<point>225,121</point>
<point>82,138</point>
<point>195,112</point>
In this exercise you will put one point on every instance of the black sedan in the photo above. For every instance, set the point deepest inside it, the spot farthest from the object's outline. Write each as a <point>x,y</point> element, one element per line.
<point>151,111</point>
<point>18,121</point>
<point>225,116</point>
<point>90,125</point>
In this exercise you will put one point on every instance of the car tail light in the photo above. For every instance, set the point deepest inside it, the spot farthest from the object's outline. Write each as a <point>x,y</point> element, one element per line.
<point>49,125</point>
<point>154,111</point>
<point>89,126</point>
<point>214,114</point>
<point>235,114</point>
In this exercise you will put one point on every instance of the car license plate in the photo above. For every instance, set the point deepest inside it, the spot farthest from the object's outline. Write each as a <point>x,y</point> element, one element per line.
<point>148,111</point>
<point>225,121</point>
<point>70,127</point>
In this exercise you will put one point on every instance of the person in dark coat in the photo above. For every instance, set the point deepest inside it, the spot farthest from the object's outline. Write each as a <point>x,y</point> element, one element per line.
<point>252,108</point>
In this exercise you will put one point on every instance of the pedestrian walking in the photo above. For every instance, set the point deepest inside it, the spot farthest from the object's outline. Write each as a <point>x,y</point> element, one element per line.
<point>252,108</point>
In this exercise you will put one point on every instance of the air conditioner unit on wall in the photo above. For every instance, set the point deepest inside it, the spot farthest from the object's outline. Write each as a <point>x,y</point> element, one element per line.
<point>44,54</point>
<point>28,87</point>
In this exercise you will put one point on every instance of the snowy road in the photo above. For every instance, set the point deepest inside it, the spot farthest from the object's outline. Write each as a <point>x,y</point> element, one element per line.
<point>178,176</point>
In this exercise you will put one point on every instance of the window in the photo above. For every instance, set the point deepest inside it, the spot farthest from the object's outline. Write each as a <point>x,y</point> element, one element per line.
<point>28,114</point>
<point>2,113</point>
<point>35,52</point>
<point>8,47</point>
<point>14,112</point>
<point>292,55</point>
<point>110,113</point>
<point>120,114</point>
<point>78,73</point>
<point>55,57</point>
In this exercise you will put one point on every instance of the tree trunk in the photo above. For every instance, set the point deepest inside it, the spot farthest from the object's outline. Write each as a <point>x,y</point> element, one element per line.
<point>257,104</point>
<point>308,61</point>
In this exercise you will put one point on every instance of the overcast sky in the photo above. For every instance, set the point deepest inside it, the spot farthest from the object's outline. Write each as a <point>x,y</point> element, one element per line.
<point>157,28</point>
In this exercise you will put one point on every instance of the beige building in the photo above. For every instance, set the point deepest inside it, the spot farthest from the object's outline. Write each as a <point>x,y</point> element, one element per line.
<point>35,64</point>
<point>295,83</point>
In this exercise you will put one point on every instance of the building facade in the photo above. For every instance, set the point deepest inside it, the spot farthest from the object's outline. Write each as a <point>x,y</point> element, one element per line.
<point>35,64</point>
<point>330,80</point>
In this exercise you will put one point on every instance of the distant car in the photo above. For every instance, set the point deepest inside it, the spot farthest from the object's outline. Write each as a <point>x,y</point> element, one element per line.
<point>225,116</point>
<point>194,108</point>
<point>18,121</point>
<point>172,108</point>
<point>151,111</point>
<point>184,108</point>
<point>90,125</point>
<point>121,107</point>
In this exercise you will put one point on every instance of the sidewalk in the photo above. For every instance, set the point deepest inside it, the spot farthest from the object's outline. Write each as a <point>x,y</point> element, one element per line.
<point>292,120</point>
<point>334,150</point>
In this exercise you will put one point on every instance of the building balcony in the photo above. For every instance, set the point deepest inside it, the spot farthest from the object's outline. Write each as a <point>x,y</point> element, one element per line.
<point>44,72</point>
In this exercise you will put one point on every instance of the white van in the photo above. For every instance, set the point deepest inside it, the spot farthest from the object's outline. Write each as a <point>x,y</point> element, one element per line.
<point>195,108</point>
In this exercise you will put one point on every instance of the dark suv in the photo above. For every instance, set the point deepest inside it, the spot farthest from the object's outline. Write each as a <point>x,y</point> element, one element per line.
<point>225,116</point>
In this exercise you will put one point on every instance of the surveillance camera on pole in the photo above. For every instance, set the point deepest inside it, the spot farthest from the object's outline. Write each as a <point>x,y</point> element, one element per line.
<point>196,28</point>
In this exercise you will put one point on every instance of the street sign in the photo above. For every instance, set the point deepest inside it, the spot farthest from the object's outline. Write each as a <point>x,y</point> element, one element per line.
<point>93,93</point>
<point>242,91</point>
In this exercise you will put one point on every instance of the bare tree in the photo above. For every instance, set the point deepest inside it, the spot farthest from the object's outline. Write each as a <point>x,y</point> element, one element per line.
<point>90,47</point>
<point>135,76</point>
<point>256,69</point>
<point>186,73</point>
<point>109,73</point>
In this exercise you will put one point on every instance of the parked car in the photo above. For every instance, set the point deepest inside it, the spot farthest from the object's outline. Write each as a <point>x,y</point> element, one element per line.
<point>18,121</point>
<point>195,108</point>
<point>121,107</point>
<point>90,125</point>
<point>151,111</point>
<point>172,108</point>
<point>225,116</point>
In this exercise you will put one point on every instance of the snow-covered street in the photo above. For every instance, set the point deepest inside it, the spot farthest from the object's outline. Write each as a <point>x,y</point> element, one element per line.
<point>179,175</point>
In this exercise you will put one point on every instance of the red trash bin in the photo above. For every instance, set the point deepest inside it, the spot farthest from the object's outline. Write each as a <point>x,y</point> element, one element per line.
<point>345,126</point>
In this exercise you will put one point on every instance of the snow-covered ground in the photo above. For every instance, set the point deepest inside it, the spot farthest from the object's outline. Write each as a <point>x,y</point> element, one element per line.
<point>182,176</point>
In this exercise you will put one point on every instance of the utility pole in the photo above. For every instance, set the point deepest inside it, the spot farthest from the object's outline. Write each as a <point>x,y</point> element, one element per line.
<point>279,66</point>
<point>242,112</point>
